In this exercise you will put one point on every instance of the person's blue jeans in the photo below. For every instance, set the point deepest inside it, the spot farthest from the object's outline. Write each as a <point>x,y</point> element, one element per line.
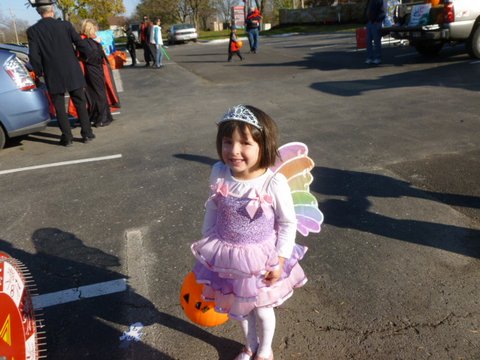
<point>158,56</point>
<point>374,40</point>
<point>253,39</point>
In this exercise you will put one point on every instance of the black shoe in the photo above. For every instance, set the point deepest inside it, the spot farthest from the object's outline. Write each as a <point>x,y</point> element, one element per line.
<point>66,142</point>
<point>88,138</point>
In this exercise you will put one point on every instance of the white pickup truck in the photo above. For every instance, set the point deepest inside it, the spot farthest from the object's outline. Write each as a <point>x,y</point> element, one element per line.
<point>443,21</point>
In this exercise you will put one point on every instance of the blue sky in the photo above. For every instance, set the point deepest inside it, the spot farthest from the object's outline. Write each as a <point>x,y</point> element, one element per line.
<point>20,10</point>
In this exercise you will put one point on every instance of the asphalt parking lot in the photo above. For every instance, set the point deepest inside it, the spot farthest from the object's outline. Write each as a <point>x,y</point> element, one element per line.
<point>394,272</point>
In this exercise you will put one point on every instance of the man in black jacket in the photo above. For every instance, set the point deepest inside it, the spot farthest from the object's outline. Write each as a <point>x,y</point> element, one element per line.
<point>52,56</point>
<point>375,12</point>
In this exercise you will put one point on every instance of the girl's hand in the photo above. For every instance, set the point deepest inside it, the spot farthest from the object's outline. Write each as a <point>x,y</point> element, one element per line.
<point>272,277</point>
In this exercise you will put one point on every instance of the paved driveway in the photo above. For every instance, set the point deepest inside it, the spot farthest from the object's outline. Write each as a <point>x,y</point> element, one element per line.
<point>394,272</point>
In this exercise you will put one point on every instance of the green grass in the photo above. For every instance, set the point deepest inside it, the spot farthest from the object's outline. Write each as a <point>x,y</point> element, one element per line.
<point>304,29</point>
<point>214,35</point>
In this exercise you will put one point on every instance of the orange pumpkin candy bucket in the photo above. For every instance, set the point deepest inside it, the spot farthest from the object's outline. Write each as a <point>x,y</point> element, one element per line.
<point>198,310</point>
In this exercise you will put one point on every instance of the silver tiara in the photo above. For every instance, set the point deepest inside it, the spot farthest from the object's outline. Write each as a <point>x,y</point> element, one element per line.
<point>240,113</point>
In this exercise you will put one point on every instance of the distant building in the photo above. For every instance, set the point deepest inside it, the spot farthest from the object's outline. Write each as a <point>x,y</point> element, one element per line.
<point>116,24</point>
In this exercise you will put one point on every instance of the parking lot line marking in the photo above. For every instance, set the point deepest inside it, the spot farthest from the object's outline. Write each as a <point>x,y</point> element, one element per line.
<point>136,268</point>
<point>62,163</point>
<point>475,62</point>
<point>118,80</point>
<point>82,292</point>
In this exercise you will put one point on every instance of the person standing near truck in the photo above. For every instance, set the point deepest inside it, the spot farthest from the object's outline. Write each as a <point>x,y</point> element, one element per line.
<point>375,13</point>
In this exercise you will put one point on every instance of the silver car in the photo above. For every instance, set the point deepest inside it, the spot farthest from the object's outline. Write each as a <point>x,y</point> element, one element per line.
<point>24,107</point>
<point>182,33</point>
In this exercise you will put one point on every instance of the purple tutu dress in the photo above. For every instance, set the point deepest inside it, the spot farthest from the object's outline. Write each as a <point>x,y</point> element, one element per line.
<point>240,249</point>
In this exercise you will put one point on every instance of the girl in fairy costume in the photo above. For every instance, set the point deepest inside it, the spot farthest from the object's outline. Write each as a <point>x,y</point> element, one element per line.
<point>248,259</point>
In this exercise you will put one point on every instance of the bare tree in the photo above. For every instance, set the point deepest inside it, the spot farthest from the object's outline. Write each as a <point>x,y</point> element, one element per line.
<point>205,14</point>
<point>13,30</point>
<point>224,8</point>
<point>183,10</point>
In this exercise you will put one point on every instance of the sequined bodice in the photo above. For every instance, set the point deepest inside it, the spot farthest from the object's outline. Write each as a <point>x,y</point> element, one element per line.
<point>234,224</point>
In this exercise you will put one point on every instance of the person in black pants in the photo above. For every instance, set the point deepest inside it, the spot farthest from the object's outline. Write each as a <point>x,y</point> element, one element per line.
<point>131,46</point>
<point>145,28</point>
<point>53,56</point>
<point>94,60</point>
<point>375,12</point>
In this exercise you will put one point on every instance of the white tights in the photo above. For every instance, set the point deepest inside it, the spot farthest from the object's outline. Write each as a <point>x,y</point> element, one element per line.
<point>262,344</point>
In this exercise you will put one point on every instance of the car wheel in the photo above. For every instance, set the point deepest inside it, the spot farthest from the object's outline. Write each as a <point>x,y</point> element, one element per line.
<point>473,44</point>
<point>194,40</point>
<point>2,138</point>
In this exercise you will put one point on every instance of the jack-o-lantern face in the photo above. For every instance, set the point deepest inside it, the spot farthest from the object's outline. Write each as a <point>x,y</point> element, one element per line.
<point>198,310</point>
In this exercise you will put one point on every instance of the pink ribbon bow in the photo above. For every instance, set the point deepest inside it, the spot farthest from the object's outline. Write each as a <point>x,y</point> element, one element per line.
<point>220,187</point>
<point>258,200</point>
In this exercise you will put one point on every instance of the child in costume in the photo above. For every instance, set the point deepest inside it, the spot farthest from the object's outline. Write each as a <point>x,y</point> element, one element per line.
<point>156,43</point>
<point>233,45</point>
<point>248,259</point>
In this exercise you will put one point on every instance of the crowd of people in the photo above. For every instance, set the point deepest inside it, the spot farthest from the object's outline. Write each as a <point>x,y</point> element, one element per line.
<point>151,41</point>
<point>153,48</point>
<point>76,64</point>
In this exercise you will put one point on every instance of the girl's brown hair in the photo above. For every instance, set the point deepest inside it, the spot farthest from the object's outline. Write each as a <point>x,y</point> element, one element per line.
<point>266,138</point>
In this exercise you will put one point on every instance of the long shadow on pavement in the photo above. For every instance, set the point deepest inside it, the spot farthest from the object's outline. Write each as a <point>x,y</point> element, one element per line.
<point>81,329</point>
<point>353,212</point>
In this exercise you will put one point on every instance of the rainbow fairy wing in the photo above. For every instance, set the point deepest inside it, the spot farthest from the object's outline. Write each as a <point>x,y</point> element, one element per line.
<point>296,166</point>
<point>300,181</point>
<point>289,151</point>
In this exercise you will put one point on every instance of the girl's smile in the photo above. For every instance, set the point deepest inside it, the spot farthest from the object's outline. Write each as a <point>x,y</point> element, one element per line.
<point>241,154</point>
